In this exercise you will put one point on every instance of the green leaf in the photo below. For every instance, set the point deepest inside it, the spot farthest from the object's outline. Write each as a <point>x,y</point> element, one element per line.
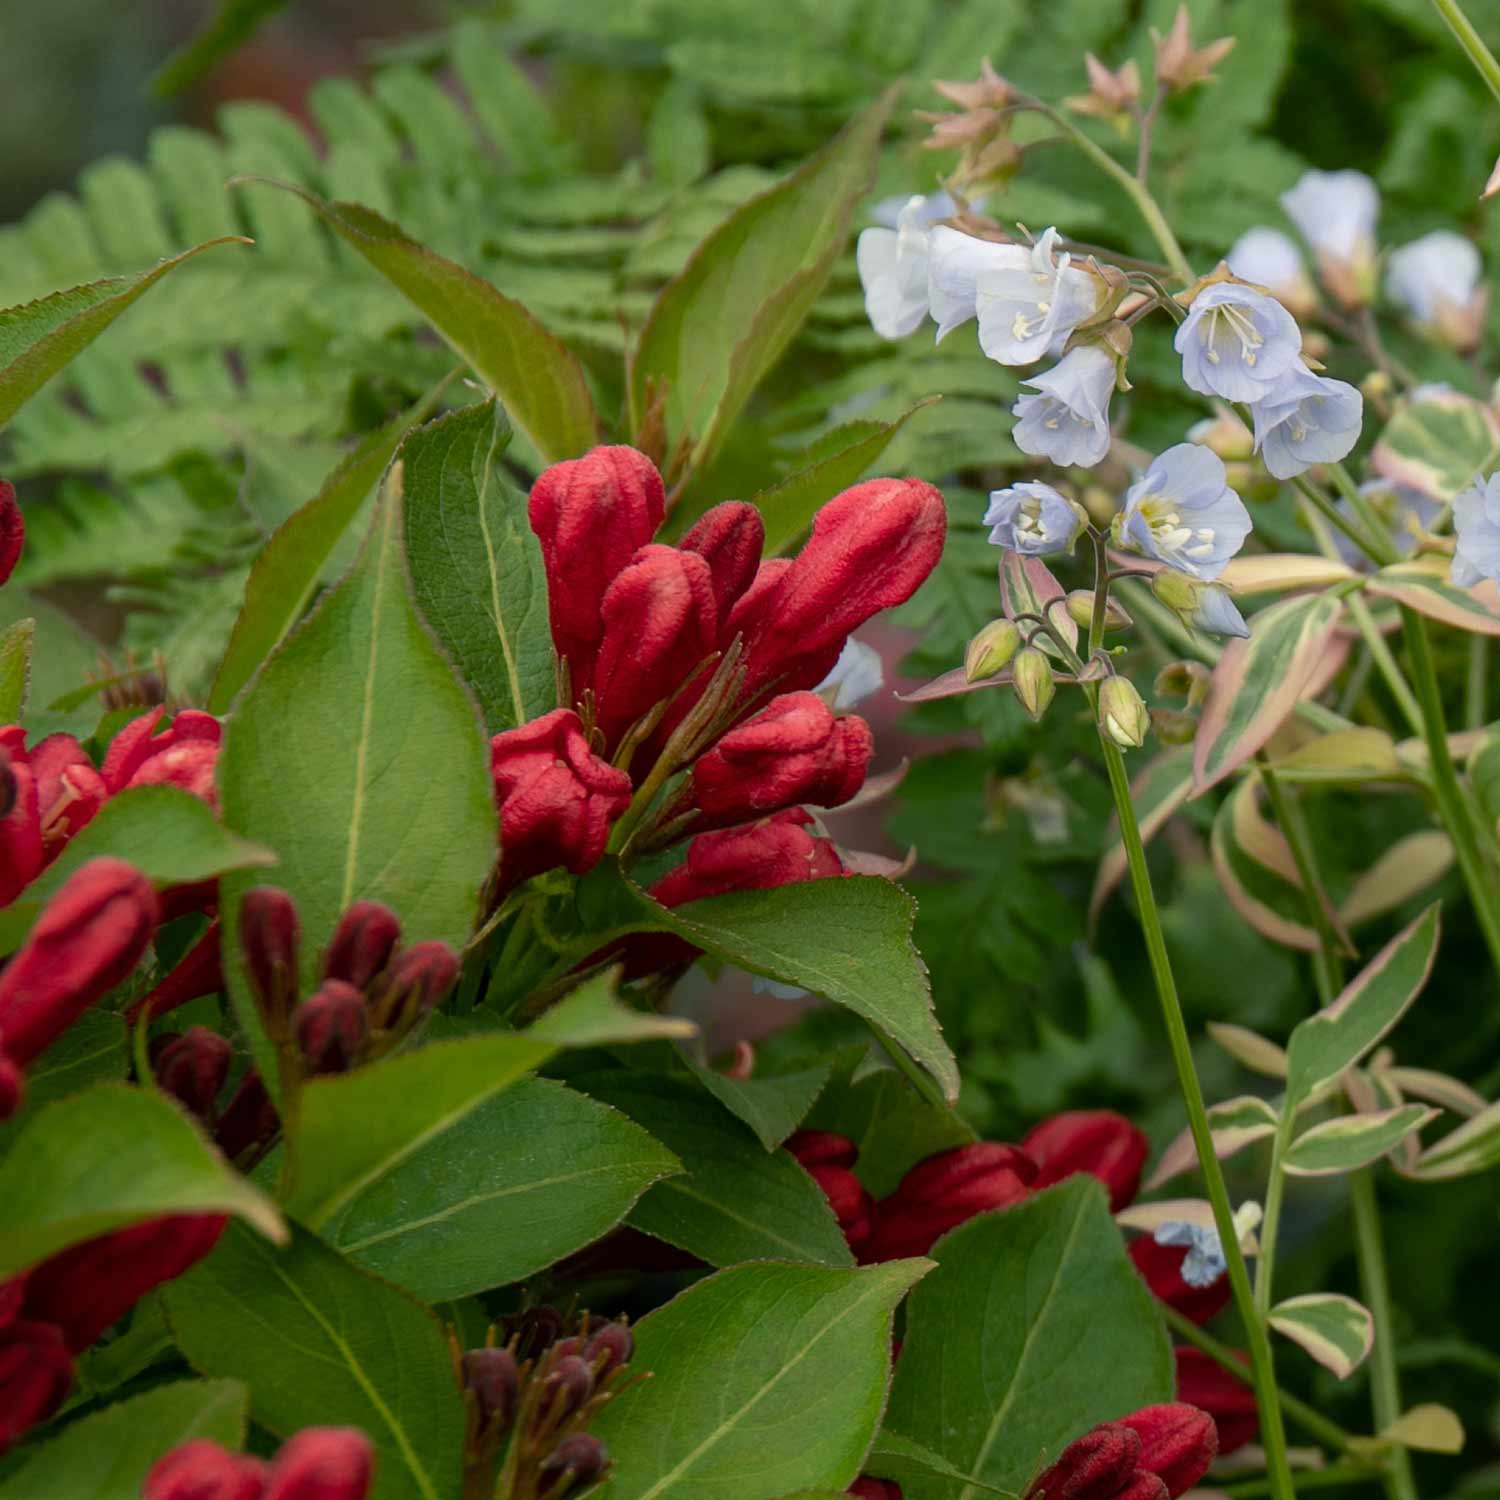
<point>720,325</point>
<point>899,1458</point>
<point>593,1015</point>
<point>358,757</point>
<point>40,338</point>
<point>1473,1147</point>
<point>1353,1141</point>
<point>994,1372</point>
<point>15,669</point>
<point>1257,682</point>
<point>286,571</point>
<point>773,1105</point>
<point>1340,1034</point>
<point>107,1454</point>
<point>230,27</point>
<point>1336,1330</point>
<point>476,568</point>
<point>168,834</point>
<point>1438,445</point>
<point>765,1379</point>
<point>788,507</point>
<point>1234,1124</point>
<point>320,1343</point>
<point>539,379</point>
<point>94,1049</point>
<point>1423,586</point>
<point>108,1157</point>
<point>734,1201</point>
<point>457,1215</point>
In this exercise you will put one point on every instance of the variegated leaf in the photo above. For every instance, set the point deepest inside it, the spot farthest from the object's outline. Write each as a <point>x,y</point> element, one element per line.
<point>1337,1331</point>
<point>1159,789</point>
<point>1346,757</point>
<point>1423,585</point>
<point>1353,1141</point>
<point>1435,1088</point>
<point>1249,1048</point>
<point>1257,683</point>
<point>1405,870</point>
<point>955,684</point>
<point>1429,1428</point>
<point>1236,1123</point>
<point>1280,572</point>
<point>1436,445</point>
<point>1027,587</point>
<point>1473,1147</point>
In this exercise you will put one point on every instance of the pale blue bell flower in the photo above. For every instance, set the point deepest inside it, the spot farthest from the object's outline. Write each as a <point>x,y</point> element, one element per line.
<point>1204,1262</point>
<point>1067,419</point>
<point>1476,526</point>
<point>1033,519</point>
<point>1307,419</point>
<point>1027,312</point>
<point>1217,613</point>
<point>893,269</point>
<point>1182,512</point>
<point>1237,342</point>
<point>959,261</point>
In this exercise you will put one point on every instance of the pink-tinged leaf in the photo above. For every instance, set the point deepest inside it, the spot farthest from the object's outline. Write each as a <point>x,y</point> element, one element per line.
<point>1249,1049</point>
<point>1235,1124</point>
<point>1405,870</point>
<point>1473,1147</point>
<point>1423,586</point>
<point>1028,587</point>
<point>1436,1088</point>
<point>1257,683</point>
<point>1282,572</point>
<point>955,685</point>
<point>1438,443</point>
<point>1159,789</point>
<point>1337,1331</point>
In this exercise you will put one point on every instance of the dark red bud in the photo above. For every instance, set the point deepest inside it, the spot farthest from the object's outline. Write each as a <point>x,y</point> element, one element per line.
<point>21,851</point>
<point>12,1086</point>
<point>202,1470</point>
<point>867,1487</point>
<point>362,944</point>
<point>331,1027</point>
<point>12,530</point>
<point>567,1384</point>
<point>89,938</point>
<point>249,1120</point>
<point>728,538</point>
<point>12,1295</point>
<point>852,1206</point>
<point>192,1068</point>
<point>537,1328</point>
<point>1178,1443</point>
<point>36,1373</point>
<point>1161,1268</point>
<point>608,1347</point>
<point>419,978</point>
<point>944,1191</point>
<point>9,786</point>
<point>1096,1141</point>
<point>1142,1485</point>
<point>822,1148</point>
<point>495,1379</point>
<point>576,1461</point>
<point>323,1463</point>
<point>270,934</point>
<point>1204,1383</point>
<point>1095,1466</point>
<point>199,972</point>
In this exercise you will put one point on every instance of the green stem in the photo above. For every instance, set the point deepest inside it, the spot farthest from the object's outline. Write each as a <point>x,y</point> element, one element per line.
<point>1273,1434</point>
<point>1380,654</point>
<point>1472,43</point>
<point>1315,1479</point>
<point>1385,1386</point>
<point>1320,502</point>
<point>1476,689</point>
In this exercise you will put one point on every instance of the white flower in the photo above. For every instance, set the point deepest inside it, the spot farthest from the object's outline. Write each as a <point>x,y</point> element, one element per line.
<point>1271,259</point>
<point>893,271</point>
<point>935,206</point>
<point>1068,420</point>
<point>1308,419</point>
<point>856,674</point>
<point>1476,525</point>
<point>1182,512</point>
<point>1236,342</point>
<point>1336,212</point>
<point>1034,519</point>
<point>1216,612</point>
<point>1436,280</point>
<point>958,260</point>
<point>1024,313</point>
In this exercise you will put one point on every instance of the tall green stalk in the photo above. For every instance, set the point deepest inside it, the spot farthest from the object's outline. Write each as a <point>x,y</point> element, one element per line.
<point>1472,43</point>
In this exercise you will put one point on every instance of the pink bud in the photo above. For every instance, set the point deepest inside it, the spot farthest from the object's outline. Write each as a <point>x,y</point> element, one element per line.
<point>331,1027</point>
<point>323,1463</point>
<point>1096,1141</point>
<point>202,1470</point>
<point>89,938</point>
<point>36,1373</point>
<point>1178,1443</point>
<point>12,530</point>
<point>793,751</point>
<point>728,538</point>
<point>591,516</point>
<point>270,934</point>
<point>1161,1267</point>
<point>1096,1466</point>
<point>1204,1383</point>
<point>557,799</point>
<point>192,1068</point>
<point>199,972</point>
<point>182,756</point>
<point>419,978</point>
<point>362,944</point>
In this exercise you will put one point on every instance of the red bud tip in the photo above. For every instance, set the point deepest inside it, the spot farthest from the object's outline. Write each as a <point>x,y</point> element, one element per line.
<point>362,944</point>
<point>823,1148</point>
<point>323,1463</point>
<point>1178,1443</point>
<point>1161,1268</point>
<point>1204,1383</point>
<point>331,1027</point>
<point>200,972</point>
<point>88,939</point>
<point>852,1206</point>
<point>202,1470</point>
<point>12,530</point>
<point>728,538</point>
<point>1097,1141</point>
<point>607,1348</point>
<point>866,1487</point>
<point>495,1379</point>
<point>576,1462</point>
<point>192,1068</point>
<point>36,1373</point>
<point>270,934</point>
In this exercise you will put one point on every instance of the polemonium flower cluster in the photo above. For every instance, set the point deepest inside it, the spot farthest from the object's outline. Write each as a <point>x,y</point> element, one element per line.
<point>1476,526</point>
<point>1271,259</point>
<point>1237,343</point>
<point>1182,513</point>
<point>1336,213</point>
<point>1034,519</point>
<point>1028,312</point>
<point>1067,417</point>
<point>1436,281</point>
<point>893,268</point>
<point>1308,419</point>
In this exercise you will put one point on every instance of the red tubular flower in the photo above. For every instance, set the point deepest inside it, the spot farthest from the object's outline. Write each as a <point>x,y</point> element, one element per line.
<point>20,823</point>
<point>12,530</point>
<point>794,751</point>
<point>192,1068</point>
<point>183,756</point>
<point>331,1027</point>
<point>1097,1466</point>
<point>47,794</point>
<point>89,1287</point>
<point>362,944</point>
<point>202,1470</point>
<point>1204,1383</point>
<point>867,1487</point>
<point>36,1373</point>
<point>69,791</point>
<point>89,938</point>
<point>323,1463</point>
<point>729,538</point>
<point>1096,1141</point>
<point>591,516</point>
<point>944,1191</point>
<point>557,799</point>
<point>822,1148</point>
<point>199,972</point>
<point>827,1158</point>
<point>759,856</point>
<point>660,620</point>
<point>1161,1267</point>
<point>1178,1443</point>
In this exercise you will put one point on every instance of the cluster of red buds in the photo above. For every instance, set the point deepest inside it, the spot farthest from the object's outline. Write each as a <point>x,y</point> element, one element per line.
<point>319,1463</point>
<point>698,661</point>
<point>58,1308</point>
<point>532,1390</point>
<point>1156,1453</point>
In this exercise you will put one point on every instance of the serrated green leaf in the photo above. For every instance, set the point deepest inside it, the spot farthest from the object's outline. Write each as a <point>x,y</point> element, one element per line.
<point>899,1458</point>
<point>1337,1331</point>
<point>1353,1141</point>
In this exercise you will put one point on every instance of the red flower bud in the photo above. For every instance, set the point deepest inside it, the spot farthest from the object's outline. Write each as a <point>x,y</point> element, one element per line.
<point>323,1463</point>
<point>269,937</point>
<point>1095,1466</point>
<point>591,516</point>
<point>192,1068</point>
<point>1096,1141</point>
<point>202,1470</point>
<point>576,1462</point>
<point>331,1027</point>
<point>608,1347</point>
<point>12,1086</point>
<point>182,756</point>
<point>495,1379</point>
<point>567,1384</point>
<point>793,751</point>
<point>1161,1266</point>
<point>1204,1383</point>
<point>753,607</point>
<point>822,1148</point>
<point>1178,1443</point>
<point>871,548</point>
<point>89,938</point>
<point>419,978</point>
<point>944,1191</point>
<point>852,1206</point>
<point>12,530</point>
<point>660,624</point>
<point>249,1120</point>
<point>199,972</point>
<point>866,1487</point>
<point>9,787</point>
<point>557,799</point>
<point>728,538</point>
<point>12,1295</point>
<point>759,856</point>
<point>36,1373</point>
<point>362,944</point>
<point>90,1287</point>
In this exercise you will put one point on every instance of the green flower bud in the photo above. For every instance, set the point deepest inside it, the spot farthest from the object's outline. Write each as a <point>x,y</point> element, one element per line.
<point>1080,607</point>
<point>1176,591</point>
<point>1173,727</point>
<point>1123,713</point>
<point>1184,679</point>
<point>991,650</point>
<point>1032,676</point>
